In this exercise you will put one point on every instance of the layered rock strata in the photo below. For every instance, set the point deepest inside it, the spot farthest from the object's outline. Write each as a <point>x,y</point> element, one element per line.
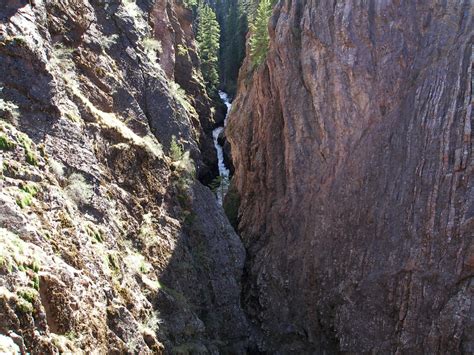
<point>353,188</point>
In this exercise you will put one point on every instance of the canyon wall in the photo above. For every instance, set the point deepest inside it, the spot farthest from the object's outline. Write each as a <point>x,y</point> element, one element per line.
<point>109,243</point>
<point>354,178</point>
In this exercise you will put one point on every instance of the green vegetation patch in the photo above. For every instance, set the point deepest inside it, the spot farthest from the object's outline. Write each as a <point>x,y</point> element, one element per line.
<point>6,143</point>
<point>28,294</point>
<point>27,192</point>
<point>260,38</point>
<point>182,50</point>
<point>27,144</point>
<point>30,188</point>
<point>176,150</point>
<point>15,255</point>
<point>26,299</point>
<point>208,36</point>
<point>24,200</point>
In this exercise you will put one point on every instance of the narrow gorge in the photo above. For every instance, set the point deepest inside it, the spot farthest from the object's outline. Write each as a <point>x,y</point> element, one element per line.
<point>236,177</point>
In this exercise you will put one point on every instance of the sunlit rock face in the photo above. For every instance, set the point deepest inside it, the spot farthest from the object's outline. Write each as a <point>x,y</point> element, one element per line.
<point>108,242</point>
<point>352,147</point>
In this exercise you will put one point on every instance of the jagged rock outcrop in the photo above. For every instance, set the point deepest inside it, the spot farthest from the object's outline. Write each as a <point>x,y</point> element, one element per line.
<point>354,171</point>
<point>172,24</point>
<point>109,243</point>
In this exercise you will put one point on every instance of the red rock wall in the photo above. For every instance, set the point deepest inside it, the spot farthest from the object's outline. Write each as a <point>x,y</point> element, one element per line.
<point>352,146</point>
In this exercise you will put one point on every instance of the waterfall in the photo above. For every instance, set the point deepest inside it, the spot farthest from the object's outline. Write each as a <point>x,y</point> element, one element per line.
<point>222,183</point>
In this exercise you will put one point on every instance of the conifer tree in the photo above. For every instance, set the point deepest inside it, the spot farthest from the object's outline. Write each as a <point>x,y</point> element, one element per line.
<point>208,42</point>
<point>260,39</point>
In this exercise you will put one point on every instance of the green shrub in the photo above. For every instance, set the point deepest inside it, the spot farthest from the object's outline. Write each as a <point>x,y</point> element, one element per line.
<point>28,294</point>
<point>182,50</point>
<point>30,188</point>
<point>6,143</point>
<point>24,306</point>
<point>176,150</point>
<point>24,200</point>
<point>31,158</point>
<point>113,262</point>
<point>152,48</point>
<point>27,192</point>
<point>30,155</point>
<point>219,186</point>
<point>35,282</point>
<point>108,41</point>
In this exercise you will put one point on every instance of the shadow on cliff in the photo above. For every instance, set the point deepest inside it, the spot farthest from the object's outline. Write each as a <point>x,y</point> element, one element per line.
<point>11,8</point>
<point>199,300</point>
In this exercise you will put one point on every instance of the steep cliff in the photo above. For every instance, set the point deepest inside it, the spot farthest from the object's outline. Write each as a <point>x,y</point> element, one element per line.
<point>109,243</point>
<point>354,178</point>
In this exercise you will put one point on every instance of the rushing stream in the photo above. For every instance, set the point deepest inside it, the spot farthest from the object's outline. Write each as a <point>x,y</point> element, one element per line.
<point>222,183</point>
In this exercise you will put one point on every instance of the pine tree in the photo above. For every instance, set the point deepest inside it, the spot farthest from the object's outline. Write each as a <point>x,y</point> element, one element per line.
<point>260,39</point>
<point>208,43</point>
<point>233,32</point>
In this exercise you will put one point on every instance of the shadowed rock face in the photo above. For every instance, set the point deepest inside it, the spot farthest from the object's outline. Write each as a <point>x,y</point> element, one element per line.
<point>352,147</point>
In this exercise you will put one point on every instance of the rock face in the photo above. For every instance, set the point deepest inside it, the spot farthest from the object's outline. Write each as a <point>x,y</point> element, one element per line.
<point>108,241</point>
<point>354,170</point>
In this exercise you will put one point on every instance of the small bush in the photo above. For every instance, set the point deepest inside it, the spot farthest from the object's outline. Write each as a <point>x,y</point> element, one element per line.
<point>108,41</point>
<point>131,8</point>
<point>56,167</point>
<point>180,95</point>
<point>27,192</point>
<point>30,154</point>
<point>24,306</point>
<point>9,111</point>
<point>30,188</point>
<point>176,150</point>
<point>6,143</point>
<point>24,200</point>
<point>219,186</point>
<point>5,264</point>
<point>113,263</point>
<point>182,50</point>
<point>152,48</point>
<point>35,282</point>
<point>63,59</point>
<point>78,189</point>
<point>28,294</point>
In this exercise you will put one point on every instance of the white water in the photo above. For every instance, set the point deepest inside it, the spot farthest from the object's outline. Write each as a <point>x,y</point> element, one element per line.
<point>221,190</point>
<point>224,97</point>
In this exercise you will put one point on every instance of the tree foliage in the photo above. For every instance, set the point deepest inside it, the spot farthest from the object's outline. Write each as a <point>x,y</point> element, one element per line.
<point>208,35</point>
<point>233,20</point>
<point>260,39</point>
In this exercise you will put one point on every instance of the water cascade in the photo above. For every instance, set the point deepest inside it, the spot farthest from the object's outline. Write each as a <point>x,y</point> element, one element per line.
<point>222,182</point>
